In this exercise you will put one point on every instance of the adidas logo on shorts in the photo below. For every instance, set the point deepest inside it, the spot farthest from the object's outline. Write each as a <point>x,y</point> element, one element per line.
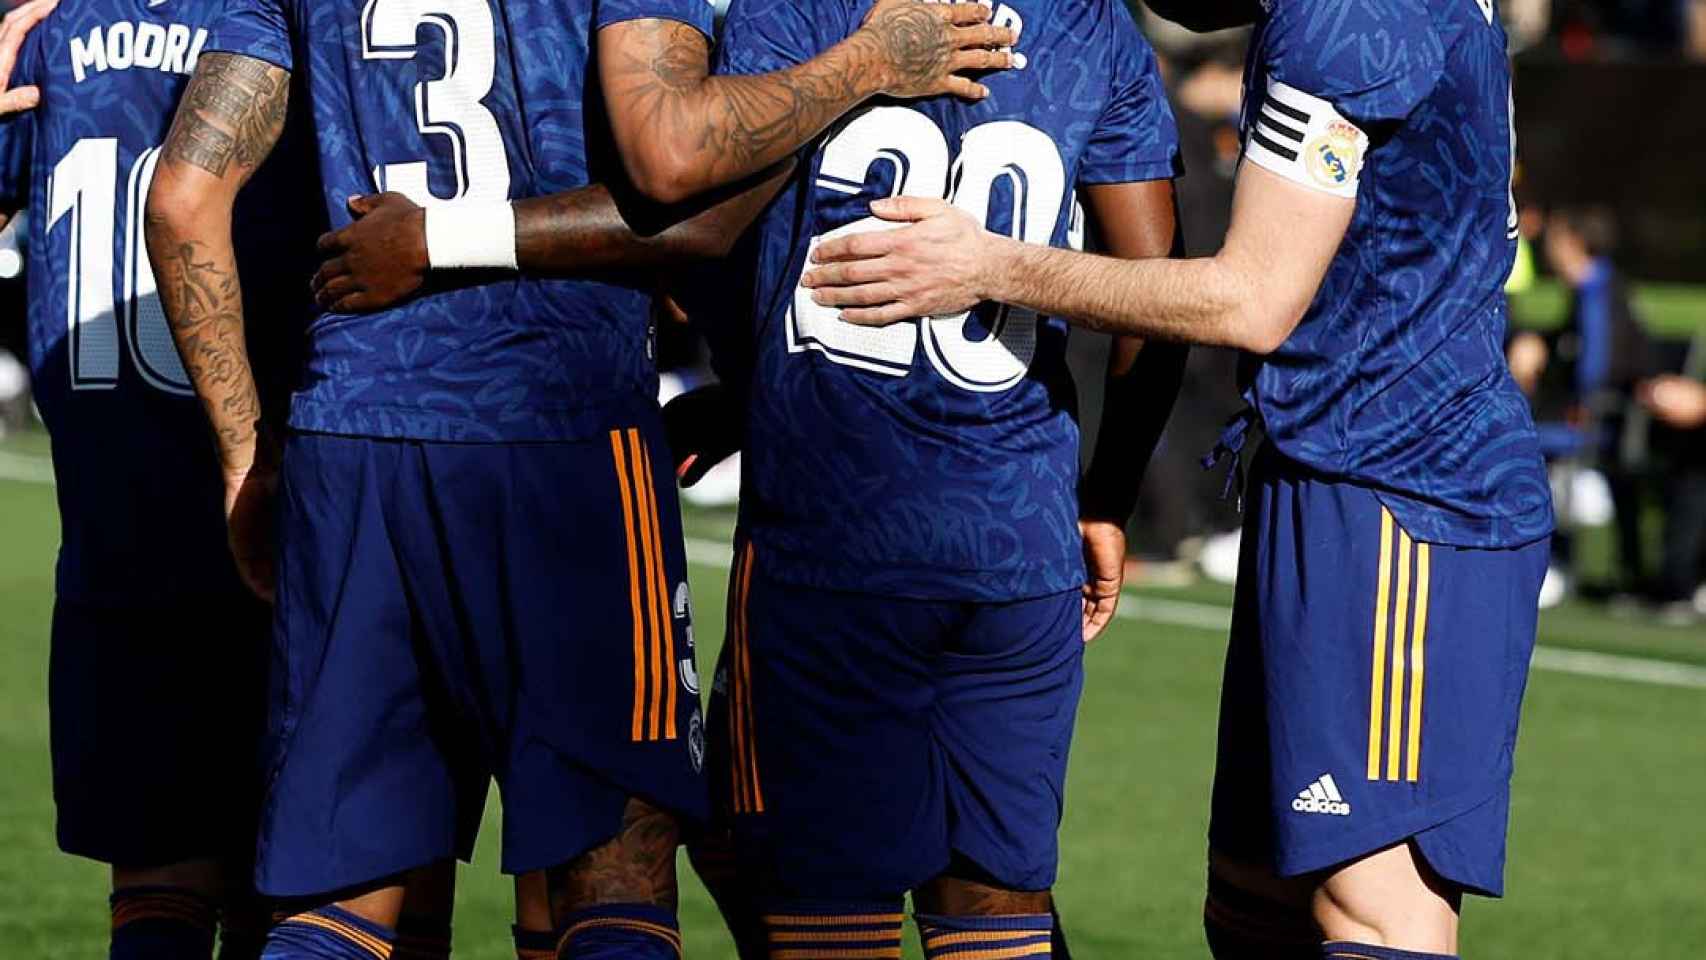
<point>1322,796</point>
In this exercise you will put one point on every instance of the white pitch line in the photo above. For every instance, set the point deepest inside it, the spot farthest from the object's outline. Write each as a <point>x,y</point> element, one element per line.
<point>26,469</point>
<point>1216,618</point>
<point>1174,613</point>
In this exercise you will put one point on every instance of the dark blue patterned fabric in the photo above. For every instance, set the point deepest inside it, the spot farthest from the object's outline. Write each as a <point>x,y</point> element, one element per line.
<point>1396,378</point>
<point>935,459</point>
<point>135,463</point>
<point>462,99</point>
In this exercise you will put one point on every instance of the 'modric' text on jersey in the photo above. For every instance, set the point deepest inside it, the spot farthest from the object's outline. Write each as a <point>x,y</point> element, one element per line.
<point>168,47</point>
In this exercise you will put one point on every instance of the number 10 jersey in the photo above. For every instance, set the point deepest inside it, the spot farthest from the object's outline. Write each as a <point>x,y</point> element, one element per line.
<point>135,465</point>
<point>447,100</point>
<point>935,458</point>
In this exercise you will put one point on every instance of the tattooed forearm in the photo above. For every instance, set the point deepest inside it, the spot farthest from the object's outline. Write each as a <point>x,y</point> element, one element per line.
<point>203,301</point>
<point>670,115</point>
<point>233,110</point>
<point>230,117</point>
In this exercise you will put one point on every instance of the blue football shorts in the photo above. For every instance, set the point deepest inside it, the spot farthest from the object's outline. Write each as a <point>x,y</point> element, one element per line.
<point>861,744</point>
<point>452,613</point>
<point>1373,685</point>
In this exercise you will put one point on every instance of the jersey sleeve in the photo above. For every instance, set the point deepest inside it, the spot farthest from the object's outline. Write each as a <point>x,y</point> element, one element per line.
<point>1374,61</point>
<point>254,28</point>
<point>1338,73</point>
<point>697,14</point>
<point>762,36</point>
<point>1135,138</point>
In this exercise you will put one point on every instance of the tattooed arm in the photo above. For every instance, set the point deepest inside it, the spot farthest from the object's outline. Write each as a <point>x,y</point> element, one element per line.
<point>681,131</point>
<point>228,121</point>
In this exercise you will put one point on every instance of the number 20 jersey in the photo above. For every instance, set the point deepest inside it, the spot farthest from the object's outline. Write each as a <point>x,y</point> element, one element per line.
<point>138,482</point>
<point>462,99</point>
<point>937,458</point>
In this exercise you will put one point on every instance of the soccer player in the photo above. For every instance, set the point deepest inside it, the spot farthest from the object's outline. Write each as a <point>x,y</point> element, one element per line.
<point>156,677</point>
<point>447,610</point>
<point>1397,517</point>
<point>916,573</point>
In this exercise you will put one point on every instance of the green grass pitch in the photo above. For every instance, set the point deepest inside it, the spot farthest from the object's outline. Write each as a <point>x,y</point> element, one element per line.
<point>1608,845</point>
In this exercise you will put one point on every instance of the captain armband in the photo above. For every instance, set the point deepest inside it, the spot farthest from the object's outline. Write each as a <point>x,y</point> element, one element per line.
<point>1302,138</point>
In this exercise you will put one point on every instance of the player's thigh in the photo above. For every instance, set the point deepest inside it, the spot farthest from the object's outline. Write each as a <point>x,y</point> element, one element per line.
<point>359,723</point>
<point>1008,683</point>
<point>591,689</point>
<point>156,718</point>
<point>834,786</point>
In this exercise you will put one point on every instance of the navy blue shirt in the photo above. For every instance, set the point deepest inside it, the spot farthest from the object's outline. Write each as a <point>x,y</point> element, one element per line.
<point>139,485</point>
<point>1396,378</point>
<point>467,100</point>
<point>936,458</point>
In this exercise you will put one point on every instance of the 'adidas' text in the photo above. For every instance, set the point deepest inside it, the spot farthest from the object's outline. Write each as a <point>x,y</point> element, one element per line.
<point>1322,796</point>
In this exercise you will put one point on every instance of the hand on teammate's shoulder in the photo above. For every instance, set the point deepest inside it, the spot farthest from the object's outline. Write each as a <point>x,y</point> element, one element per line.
<point>15,27</point>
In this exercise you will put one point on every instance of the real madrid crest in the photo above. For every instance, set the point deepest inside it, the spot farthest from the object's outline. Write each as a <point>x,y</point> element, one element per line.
<point>1335,157</point>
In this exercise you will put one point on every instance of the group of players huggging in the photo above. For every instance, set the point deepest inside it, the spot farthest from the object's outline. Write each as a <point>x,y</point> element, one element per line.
<point>445,491</point>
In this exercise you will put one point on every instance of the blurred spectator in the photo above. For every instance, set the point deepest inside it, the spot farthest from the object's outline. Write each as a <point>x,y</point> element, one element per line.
<point>1678,404</point>
<point>1696,18</point>
<point>1581,380</point>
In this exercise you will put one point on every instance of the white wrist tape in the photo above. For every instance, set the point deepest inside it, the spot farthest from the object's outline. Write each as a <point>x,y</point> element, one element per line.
<point>1302,138</point>
<point>471,234</point>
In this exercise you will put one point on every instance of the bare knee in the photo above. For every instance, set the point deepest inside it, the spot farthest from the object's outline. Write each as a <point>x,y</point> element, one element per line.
<point>1389,898</point>
<point>637,866</point>
<point>960,897</point>
<point>1250,911</point>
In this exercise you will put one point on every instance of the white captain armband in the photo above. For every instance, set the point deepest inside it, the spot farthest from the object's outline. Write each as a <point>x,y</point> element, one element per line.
<point>1302,138</point>
<point>471,234</point>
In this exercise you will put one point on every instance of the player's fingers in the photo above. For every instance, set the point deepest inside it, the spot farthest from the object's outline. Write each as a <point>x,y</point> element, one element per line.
<point>968,60</point>
<point>857,295</point>
<point>15,28</point>
<point>984,36</point>
<point>968,13</point>
<point>357,302</point>
<point>329,269</point>
<point>19,100</point>
<point>904,209</point>
<point>959,86</point>
<point>849,272</point>
<point>364,204</point>
<point>860,246</point>
<point>878,316</point>
<point>330,242</point>
<point>335,289</point>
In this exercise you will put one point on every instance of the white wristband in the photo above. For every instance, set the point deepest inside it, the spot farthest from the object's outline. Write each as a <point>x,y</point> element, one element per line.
<point>471,234</point>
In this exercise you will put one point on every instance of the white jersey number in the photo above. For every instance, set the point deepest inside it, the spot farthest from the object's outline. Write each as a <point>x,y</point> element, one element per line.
<point>450,106</point>
<point>916,152</point>
<point>83,187</point>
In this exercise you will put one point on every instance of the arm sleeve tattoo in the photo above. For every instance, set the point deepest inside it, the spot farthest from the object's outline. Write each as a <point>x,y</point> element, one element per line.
<point>228,121</point>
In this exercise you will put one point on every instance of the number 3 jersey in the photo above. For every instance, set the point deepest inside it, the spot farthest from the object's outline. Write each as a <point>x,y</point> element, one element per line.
<point>476,100</point>
<point>935,458</point>
<point>138,481</point>
<point>1396,378</point>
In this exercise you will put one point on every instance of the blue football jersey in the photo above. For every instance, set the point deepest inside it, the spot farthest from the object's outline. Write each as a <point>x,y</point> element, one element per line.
<point>463,99</point>
<point>1396,377</point>
<point>936,458</point>
<point>138,479</point>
